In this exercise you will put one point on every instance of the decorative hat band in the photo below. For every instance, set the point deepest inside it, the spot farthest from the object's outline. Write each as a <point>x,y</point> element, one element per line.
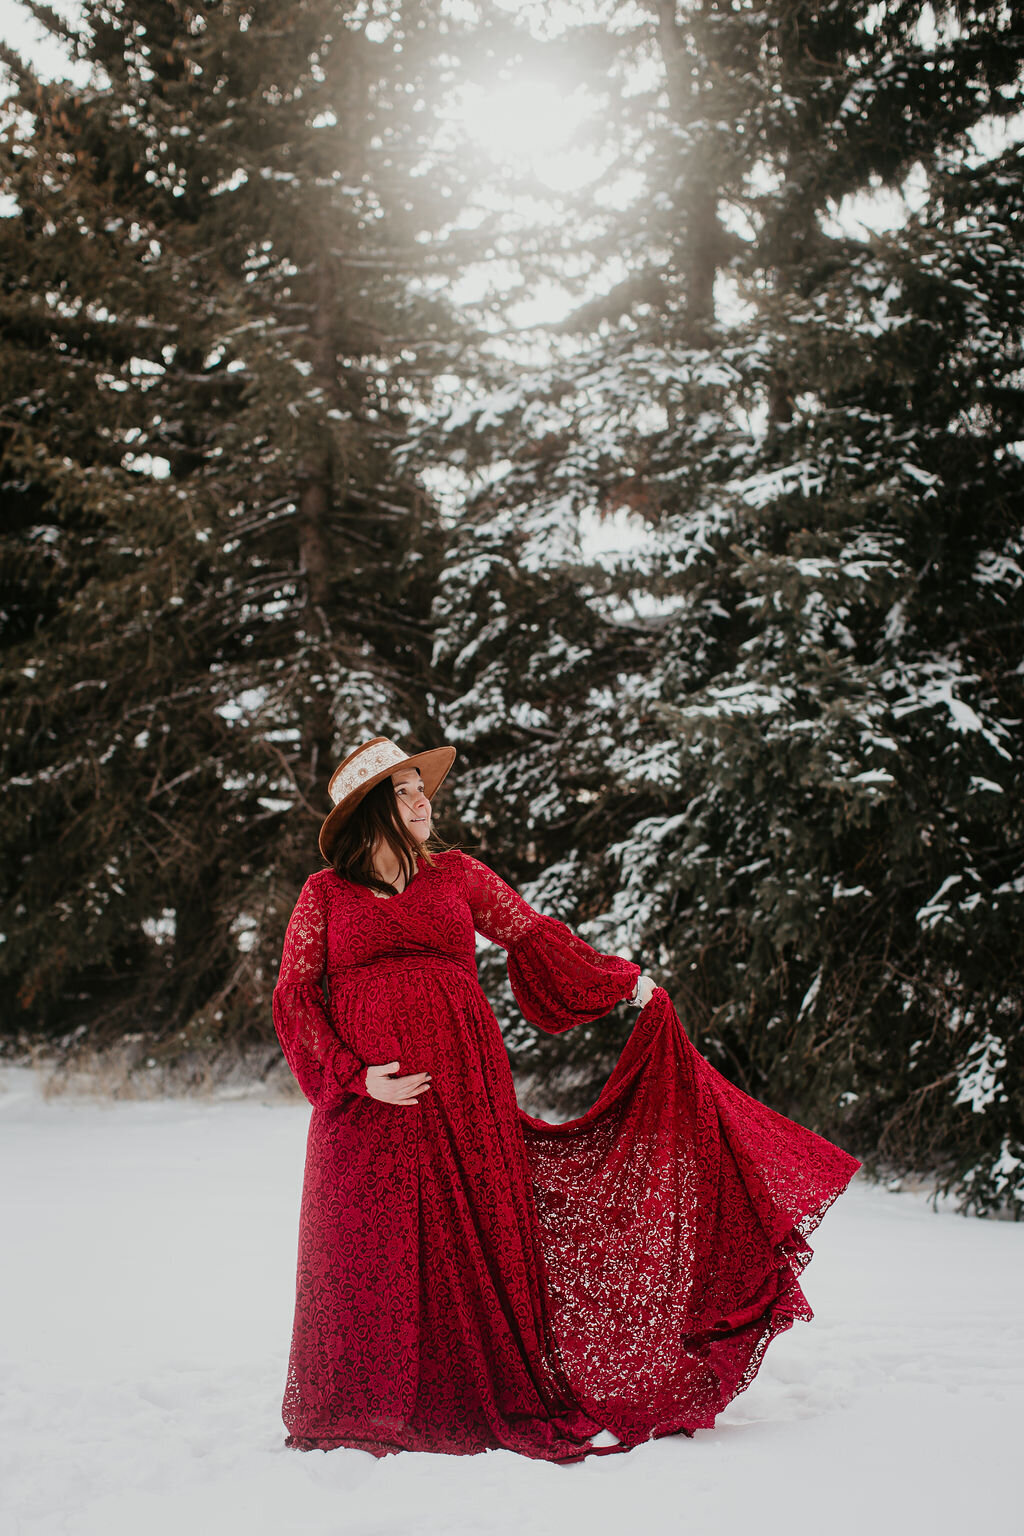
<point>375,758</point>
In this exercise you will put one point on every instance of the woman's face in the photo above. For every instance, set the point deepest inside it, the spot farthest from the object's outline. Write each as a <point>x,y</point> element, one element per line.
<point>413,805</point>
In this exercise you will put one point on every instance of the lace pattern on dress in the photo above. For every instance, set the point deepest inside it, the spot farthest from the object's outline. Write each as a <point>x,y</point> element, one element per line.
<point>323,1066</point>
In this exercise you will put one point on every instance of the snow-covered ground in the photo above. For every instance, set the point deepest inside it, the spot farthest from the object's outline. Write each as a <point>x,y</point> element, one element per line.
<point>146,1272</point>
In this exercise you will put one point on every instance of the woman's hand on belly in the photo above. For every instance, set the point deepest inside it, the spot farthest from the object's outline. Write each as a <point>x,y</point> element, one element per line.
<point>382,1084</point>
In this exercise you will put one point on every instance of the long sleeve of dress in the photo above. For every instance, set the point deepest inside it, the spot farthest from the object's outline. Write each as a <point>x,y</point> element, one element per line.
<point>322,1064</point>
<point>557,979</point>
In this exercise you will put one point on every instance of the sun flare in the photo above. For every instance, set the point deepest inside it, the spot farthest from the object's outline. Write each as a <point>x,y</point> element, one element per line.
<point>530,125</point>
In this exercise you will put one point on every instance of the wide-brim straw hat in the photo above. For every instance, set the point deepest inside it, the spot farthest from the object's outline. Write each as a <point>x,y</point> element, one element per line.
<point>363,768</point>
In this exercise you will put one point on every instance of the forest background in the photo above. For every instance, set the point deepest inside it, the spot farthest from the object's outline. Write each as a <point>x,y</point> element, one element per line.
<point>630,394</point>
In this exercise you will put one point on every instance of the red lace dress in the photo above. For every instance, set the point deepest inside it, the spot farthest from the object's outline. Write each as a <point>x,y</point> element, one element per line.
<point>469,1277</point>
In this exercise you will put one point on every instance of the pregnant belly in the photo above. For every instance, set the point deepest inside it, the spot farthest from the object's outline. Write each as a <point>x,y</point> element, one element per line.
<point>408,1008</point>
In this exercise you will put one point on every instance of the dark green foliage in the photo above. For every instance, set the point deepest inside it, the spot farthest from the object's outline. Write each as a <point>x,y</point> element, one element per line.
<point>762,536</point>
<point>218,574</point>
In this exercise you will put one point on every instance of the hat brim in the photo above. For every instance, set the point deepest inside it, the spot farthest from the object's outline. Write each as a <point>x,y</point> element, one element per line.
<point>432,764</point>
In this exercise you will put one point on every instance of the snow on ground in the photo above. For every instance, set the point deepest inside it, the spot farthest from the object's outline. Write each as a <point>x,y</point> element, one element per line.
<point>146,1286</point>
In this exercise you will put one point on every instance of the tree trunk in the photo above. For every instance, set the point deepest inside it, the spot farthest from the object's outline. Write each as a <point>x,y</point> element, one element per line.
<point>314,504</point>
<point>704,239</point>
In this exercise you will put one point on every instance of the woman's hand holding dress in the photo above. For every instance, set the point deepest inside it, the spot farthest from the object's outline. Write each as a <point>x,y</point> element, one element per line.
<point>644,992</point>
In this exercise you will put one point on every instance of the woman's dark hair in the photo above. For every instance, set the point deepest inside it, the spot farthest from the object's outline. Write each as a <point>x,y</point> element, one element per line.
<point>375,818</point>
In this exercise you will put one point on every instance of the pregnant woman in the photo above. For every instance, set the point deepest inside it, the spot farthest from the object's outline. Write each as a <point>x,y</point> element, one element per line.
<point>470,1277</point>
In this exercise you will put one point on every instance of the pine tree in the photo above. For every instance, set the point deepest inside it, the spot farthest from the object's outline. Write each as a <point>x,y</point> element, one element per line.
<point>222,307</point>
<point>743,666</point>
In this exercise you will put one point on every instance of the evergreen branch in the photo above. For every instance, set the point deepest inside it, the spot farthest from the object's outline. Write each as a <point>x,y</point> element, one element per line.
<point>274,749</point>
